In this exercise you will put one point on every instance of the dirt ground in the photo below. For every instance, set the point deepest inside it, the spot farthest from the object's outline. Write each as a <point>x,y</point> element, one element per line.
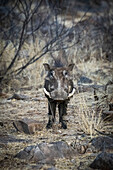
<point>11,141</point>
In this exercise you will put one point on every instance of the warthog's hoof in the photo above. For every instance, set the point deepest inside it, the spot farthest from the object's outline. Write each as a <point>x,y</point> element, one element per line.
<point>64,126</point>
<point>49,125</point>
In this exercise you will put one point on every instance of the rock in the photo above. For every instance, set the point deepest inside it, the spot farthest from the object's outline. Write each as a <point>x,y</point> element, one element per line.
<point>19,97</point>
<point>104,161</point>
<point>89,87</point>
<point>1,124</point>
<point>46,152</point>
<point>37,154</point>
<point>4,139</point>
<point>84,80</point>
<point>21,126</point>
<point>23,155</point>
<point>28,126</point>
<point>102,143</point>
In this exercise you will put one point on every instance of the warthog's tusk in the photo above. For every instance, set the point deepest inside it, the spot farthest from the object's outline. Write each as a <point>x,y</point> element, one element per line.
<point>47,93</point>
<point>71,94</point>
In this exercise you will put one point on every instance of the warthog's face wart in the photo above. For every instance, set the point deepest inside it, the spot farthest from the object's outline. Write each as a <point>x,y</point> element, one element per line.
<point>58,83</point>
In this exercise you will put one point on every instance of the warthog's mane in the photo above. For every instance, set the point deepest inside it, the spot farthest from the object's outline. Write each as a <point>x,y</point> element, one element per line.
<point>60,61</point>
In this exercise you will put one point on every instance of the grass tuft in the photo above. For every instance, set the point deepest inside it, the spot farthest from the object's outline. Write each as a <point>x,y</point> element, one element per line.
<point>89,120</point>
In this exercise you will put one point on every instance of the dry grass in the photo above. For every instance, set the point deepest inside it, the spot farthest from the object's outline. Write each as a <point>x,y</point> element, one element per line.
<point>89,120</point>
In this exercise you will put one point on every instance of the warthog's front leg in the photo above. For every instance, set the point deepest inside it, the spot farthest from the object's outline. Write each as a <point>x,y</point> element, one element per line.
<point>51,113</point>
<point>62,112</point>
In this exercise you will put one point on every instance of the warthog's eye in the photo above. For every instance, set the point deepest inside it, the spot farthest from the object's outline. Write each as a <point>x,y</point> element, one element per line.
<point>65,73</point>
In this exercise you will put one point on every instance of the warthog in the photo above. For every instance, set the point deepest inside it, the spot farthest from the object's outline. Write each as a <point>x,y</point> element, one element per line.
<point>58,88</point>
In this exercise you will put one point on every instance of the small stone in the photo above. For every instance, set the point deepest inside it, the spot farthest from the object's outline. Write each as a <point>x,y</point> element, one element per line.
<point>89,150</point>
<point>82,149</point>
<point>1,124</point>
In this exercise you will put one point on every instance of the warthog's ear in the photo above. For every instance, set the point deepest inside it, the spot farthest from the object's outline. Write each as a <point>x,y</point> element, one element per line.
<point>70,67</point>
<point>46,66</point>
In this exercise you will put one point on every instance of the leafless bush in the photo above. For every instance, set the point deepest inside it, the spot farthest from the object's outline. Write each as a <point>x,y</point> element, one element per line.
<point>30,30</point>
<point>28,22</point>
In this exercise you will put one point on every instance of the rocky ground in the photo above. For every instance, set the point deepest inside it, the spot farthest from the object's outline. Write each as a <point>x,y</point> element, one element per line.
<point>87,143</point>
<point>32,105</point>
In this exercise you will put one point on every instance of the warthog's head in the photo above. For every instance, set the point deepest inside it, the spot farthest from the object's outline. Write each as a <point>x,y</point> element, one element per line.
<point>58,82</point>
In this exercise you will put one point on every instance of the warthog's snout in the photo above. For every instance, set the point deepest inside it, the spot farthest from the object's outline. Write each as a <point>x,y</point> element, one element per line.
<point>59,94</point>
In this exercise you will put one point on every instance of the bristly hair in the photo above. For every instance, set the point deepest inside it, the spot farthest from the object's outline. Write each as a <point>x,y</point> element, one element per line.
<point>61,60</point>
<point>58,63</point>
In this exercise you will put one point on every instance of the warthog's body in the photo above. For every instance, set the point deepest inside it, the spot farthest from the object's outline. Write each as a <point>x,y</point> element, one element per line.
<point>58,88</point>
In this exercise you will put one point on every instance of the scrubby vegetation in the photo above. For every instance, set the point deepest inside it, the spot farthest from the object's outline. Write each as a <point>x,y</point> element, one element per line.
<point>33,32</point>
